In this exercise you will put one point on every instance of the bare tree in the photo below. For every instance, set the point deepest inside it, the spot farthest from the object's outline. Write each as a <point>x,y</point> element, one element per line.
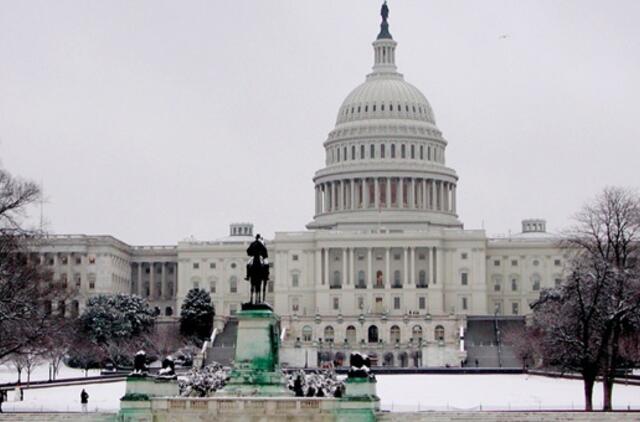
<point>27,292</point>
<point>524,343</point>
<point>584,322</point>
<point>165,340</point>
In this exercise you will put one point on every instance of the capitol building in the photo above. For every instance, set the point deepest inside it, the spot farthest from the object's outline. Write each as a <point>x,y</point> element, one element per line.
<point>385,265</point>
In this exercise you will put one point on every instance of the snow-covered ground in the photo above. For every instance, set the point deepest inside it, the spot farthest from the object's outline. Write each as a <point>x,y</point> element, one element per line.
<point>41,373</point>
<point>102,397</point>
<point>397,392</point>
<point>493,392</point>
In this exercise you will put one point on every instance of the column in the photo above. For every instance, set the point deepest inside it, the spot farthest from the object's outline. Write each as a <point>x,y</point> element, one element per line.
<point>445,193</point>
<point>325,277</point>
<point>413,192</point>
<point>365,193</point>
<point>424,194</point>
<point>405,253</point>
<point>352,267</point>
<point>369,267</point>
<point>434,279</point>
<point>334,196</point>
<point>388,192</point>
<point>140,291</point>
<point>376,193</point>
<point>318,268</point>
<point>433,195</point>
<point>163,281</point>
<point>412,279</point>
<point>352,191</point>
<point>342,196</point>
<point>344,278</point>
<point>455,205</point>
<point>400,193</point>
<point>152,289</point>
<point>387,266</point>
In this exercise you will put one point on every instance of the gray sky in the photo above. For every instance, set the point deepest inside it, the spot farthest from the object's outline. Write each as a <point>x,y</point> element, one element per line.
<point>155,120</point>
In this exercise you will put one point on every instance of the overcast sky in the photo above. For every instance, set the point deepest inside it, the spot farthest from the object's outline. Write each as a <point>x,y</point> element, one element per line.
<point>155,120</point>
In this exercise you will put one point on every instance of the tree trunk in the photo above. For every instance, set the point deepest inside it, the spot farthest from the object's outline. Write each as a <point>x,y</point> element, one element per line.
<point>607,387</point>
<point>589,380</point>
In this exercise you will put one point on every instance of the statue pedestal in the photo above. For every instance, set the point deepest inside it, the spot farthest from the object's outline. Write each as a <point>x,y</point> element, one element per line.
<point>360,402</point>
<point>136,403</point>
<point>256,370</point>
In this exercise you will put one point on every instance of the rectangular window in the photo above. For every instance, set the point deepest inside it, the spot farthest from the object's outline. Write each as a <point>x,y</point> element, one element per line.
<point>464,279</point>
<point>557,263</point>
<point>294,257</point>
<point>514,284</point>
<point>496,286</point>
<point>396,302</point>
<point>336,303</point>
<point>78,260</point>
<point>295,280</point>
<point>413,151</point>
<point>295,305</point>
<point>421,152</point>
<point>465,305</point>
<point>212,265</point>
<point>92,281</point>
<point>514,262</point>
<point>496,263</point>
<point>362,152</point>
<point>372,151</point>
<point>396,256</point>
<point>422,302</point>
<point>464,255</point>
<point>196,265</point>
<point>360,302</point>
<point>421,257</point>
<point>382,151</point>
<point>515,308</point>
<point>497,308</point>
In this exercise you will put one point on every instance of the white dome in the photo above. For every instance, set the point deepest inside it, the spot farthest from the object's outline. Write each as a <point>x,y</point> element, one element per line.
<point>384,96</point>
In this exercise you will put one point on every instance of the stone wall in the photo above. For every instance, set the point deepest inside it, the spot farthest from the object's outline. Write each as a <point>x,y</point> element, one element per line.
<point>486,416</point>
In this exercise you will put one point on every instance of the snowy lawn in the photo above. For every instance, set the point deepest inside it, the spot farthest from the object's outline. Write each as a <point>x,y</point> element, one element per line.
<point>493,392</point>
<point>397,393</point>
<point>103,397</point>
<point>41,373</point>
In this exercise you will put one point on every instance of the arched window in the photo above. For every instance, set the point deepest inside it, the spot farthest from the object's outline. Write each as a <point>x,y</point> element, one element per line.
<point>403,151</point>
<point>439,333</point>
<point>328,334</point>
<point>535,282</point>
<point>75,308</point>
<point>393,150</point>
<point>362,284</point>
<point>353,152</point>
<point>362,152</point>
<point>372,151</point>
<point>388,359</point>
<point>372,334</point>
<point>394,334</point>
<point>336,283</point>
<point>379,280</point>
<point>413,152</point>
<point>514,283</point>
<point>382,152</point>
<point>422,278</point>
<point>422,152</point>
<point>233,284</point>
<point>397,283</point>
<point>351,335</point>
<point>416,333</point>
<point>168,311</point>
<point>307,333</point>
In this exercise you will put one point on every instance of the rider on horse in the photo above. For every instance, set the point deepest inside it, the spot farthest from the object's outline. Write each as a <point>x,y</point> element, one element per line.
<point>257,269</point>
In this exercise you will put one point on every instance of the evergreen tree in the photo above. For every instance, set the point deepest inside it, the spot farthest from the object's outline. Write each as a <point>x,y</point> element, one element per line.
<point>196,314</point>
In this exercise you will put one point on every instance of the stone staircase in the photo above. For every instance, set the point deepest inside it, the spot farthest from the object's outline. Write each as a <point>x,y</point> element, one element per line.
<point>482,342</point>
<point>224,346</point>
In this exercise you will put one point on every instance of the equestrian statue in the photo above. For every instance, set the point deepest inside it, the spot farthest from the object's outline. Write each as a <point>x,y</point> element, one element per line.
<point>258,270</point>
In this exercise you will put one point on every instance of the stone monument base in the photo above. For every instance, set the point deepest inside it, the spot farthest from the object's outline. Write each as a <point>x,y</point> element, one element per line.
<point>256,371</point>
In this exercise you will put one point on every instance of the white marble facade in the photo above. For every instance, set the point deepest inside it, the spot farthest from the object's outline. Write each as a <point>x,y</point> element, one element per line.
<point>385,265</point>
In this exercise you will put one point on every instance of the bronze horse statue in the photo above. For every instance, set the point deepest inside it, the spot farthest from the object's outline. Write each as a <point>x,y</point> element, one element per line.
<point>258,276</point>
<point>258,270</point>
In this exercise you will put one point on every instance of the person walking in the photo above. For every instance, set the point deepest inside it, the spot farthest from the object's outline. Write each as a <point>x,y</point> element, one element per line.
<point>84,399</point>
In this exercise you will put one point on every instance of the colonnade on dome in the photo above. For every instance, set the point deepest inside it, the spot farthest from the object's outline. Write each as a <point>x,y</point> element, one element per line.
<point>360,193</point>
